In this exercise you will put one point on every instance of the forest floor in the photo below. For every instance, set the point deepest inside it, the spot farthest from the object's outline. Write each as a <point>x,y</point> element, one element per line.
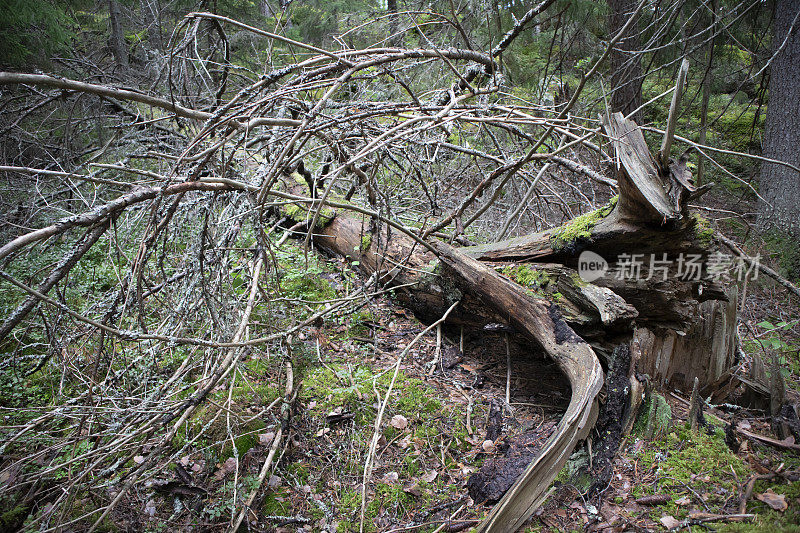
<point>444,423</point>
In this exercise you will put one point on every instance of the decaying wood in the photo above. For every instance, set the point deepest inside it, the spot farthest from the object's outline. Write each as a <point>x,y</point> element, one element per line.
<point>650,216</point>
<point>541,322</point>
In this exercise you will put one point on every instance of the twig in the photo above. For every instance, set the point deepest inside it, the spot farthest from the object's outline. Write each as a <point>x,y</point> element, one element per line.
<point>379,418</point>
<point>276,442</point>
<point>761,266</point>
<point>508,370</point>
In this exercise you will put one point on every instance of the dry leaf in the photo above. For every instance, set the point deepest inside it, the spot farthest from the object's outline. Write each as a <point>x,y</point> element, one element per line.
<point>669,522</point>
<point>430,476</point>
<point>776,501</point>
<point>399,422</point>
<point>139,459</point>
<point>414,490</point>
<point>685,500</point>
<point>266,438</point>
<point>405,442</point>
<point>229,465</point>
<point>391,477</point>
<point>488,446</point>
<point>150,508</point>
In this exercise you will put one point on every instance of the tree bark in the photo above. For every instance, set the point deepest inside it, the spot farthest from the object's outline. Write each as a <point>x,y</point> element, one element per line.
<point>626,66</point>
<point>118,47</point>
<point>780,185</point>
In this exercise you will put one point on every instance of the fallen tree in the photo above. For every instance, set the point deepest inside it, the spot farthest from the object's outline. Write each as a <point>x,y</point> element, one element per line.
<point>651,215</point>
<point>272,131</point>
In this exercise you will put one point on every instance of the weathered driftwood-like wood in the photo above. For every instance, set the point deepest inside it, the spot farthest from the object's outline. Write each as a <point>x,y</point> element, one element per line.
<point>705,348</point>
<point>485,294</point>
<point>686,327</point>
<point>541,322</point>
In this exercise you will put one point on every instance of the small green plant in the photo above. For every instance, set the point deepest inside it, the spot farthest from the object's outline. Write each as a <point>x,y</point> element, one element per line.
<point>775,340</point>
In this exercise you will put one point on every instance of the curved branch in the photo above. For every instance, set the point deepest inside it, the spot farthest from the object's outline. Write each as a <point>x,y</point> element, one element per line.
<point>112,208</point>
<point>11,78</point>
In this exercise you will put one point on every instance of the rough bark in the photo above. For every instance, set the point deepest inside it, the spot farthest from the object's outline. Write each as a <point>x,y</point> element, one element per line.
<point>780,185</point>
<point>117,40</point>
<point>626,66</point>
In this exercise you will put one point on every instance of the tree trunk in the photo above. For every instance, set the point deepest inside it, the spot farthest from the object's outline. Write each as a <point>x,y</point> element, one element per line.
<point>701,161</point>
<point>626,67</point>
<point>780,185</point>
<point>118,46</point>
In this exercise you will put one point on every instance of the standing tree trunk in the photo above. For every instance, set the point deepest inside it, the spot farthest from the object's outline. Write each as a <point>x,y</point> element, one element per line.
<point>117,35</point>
<point>780,185</point>
<point>626,67</point>
<point>699,179</point>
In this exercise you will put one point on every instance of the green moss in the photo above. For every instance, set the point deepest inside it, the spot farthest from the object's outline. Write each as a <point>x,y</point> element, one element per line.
<point>301,213</point>
<point>569,236</point>
<point>655,417</point>
<point>526,276</point>
<point>307,286</point>
<point>692,459</point>
<point>703,230</point>
<point>417,400</point>
<point>13,518</point>
<point>357,324</point>
<point>576,471</point>
<point>274,504</point>
<point>766,518</point>
<point>247,439</point>
<point>299,471</point>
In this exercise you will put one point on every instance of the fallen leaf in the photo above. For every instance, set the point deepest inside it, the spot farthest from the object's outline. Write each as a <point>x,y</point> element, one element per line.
<point>669,522</point>
<point>685,500</point>
<point>391,477</point>
<point>229,465</point>
<point>322,431</point>
<point>139,459</point>
<point>399,422</point>
<point>430,476</point>
<point>150,508</point>
<point>774,500</point>
<point>414,490</point>
<point>488,446</point>
<point>266,438</point>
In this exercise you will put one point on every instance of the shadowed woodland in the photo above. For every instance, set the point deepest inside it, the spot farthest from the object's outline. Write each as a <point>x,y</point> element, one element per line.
<point>399,266</point>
